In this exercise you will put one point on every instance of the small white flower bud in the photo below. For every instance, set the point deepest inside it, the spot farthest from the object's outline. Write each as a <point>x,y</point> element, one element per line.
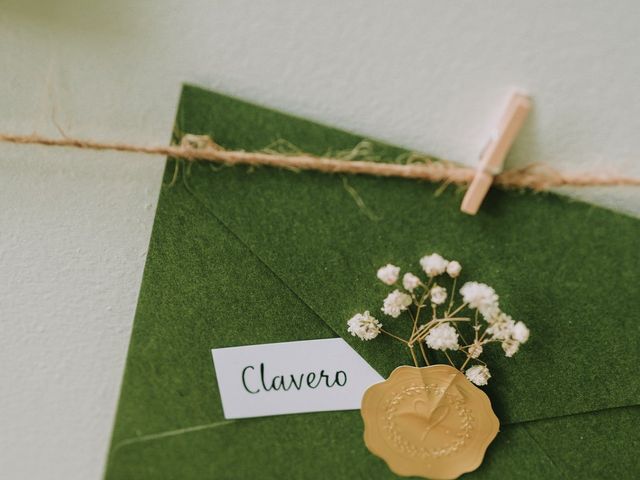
<point>481,296</point>
<point>389,274</point>
<point>410,282</point>
<point>396,303</point>
<point>433,265</point>
<point>510,348</point>
<point>364,326</point>
<point>475,350</point>
<point>442,337</point>
<point>478,374</point>
<point>520,332</point>
<point>438,295</point>
<point>453,269</point>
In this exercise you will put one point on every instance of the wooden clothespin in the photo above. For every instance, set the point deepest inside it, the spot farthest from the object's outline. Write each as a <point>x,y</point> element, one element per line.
<point>492,158</point>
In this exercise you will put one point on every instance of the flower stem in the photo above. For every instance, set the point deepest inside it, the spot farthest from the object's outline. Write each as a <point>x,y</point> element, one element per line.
<point>424,354</point>
<point>394,336</point>
<point>415,322</point>
<point>460,333</point>
<point>453,292</point>
<point>413,355</point>
<point>425,331</point>
<point>465,363</point>
<point>457,309</point>
<point>418,312</point>
<point>449,358</point>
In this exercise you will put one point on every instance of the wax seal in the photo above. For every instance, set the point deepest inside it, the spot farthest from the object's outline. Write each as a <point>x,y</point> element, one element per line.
<point>430,422</point>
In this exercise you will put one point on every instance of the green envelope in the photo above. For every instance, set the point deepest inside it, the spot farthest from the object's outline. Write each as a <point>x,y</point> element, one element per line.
<point>242,256</point>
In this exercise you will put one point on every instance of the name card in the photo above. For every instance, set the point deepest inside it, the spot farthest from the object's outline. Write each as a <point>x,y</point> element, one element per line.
<point>291,377</point>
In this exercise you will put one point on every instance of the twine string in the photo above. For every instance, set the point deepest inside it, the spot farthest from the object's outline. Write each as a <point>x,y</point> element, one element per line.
<point>536,177</point>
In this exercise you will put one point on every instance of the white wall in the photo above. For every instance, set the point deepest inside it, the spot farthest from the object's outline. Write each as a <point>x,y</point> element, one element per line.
<point>74,226</point>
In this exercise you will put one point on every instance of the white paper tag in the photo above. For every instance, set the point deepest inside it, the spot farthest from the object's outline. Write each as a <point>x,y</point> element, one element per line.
<point>291,377</point>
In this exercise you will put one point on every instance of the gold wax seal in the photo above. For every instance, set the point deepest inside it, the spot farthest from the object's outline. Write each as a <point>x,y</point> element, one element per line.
<point>430,422</point>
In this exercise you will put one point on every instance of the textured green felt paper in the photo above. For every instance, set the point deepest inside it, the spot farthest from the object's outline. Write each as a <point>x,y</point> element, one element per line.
<point>242,257</point>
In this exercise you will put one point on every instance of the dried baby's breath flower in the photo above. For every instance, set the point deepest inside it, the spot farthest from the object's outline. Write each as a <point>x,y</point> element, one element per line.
<point>364,326</point>
<point>410,282</point>
<point>501,327</point>
<point>454,268</point>
<point>475,349</point>
<point>433,265</point>
<point>478,374</point>
<point>389,274</point>
<point>439,313</point>
<point>482,297</point>
<point>438,295</point>
<point>510,347</point>
<point>520,332</point>
<point>396,303</point>
<point>442,337</point>
<point>506,330</point>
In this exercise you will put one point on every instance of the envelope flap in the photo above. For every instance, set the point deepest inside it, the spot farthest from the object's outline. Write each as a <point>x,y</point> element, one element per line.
<point>201,289</point>
<point>568,269</point>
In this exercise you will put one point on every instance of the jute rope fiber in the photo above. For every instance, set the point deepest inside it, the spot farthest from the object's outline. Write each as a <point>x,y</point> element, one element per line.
<point>536,177</point>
